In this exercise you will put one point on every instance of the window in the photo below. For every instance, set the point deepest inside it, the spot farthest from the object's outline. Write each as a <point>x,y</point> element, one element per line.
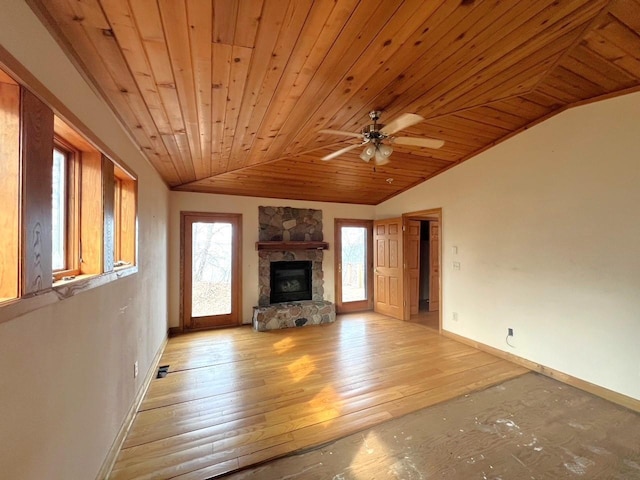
<point>59,210</point>
<point>67,211</point>
<point>100,209</point>
<point>124,214</point>
<point>77,200</point>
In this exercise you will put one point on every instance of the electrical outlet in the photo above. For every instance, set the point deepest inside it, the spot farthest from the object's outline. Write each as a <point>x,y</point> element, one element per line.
<point>135,369</point>
<point>455,316</point>
<point>510,332</point>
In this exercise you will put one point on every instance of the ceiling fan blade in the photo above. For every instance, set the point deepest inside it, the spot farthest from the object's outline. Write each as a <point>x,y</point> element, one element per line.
<point>419,142</point>
<point>341,132</point>
<point>400,123</point>
<point>337,153</point>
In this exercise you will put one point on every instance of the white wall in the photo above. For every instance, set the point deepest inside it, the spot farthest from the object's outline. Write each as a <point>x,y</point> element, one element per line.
<point>67,369</point>
<point>547,226</point>
<point>248,207</point>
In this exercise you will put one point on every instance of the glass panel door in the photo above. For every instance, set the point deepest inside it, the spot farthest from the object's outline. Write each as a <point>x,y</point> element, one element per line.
<point>353,265</point>
<point>211,270</point>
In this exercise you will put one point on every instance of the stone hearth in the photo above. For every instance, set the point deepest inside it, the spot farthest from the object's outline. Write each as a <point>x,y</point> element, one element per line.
<point>294,314</point>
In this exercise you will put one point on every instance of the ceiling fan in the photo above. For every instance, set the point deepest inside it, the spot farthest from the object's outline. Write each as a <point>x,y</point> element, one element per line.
<point>377,138</point>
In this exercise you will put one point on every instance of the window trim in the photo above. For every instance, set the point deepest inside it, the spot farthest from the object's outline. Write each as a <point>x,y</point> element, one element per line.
<point>10,189</point>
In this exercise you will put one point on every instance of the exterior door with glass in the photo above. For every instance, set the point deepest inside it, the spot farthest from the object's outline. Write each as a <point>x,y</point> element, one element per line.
<point>211,270</point>
<point>353,265</point>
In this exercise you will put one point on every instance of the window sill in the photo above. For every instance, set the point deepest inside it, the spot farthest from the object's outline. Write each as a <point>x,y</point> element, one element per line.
<point>72,280</point>
<point>61,289</point>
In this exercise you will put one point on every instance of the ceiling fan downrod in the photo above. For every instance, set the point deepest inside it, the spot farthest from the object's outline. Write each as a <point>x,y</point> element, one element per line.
<point>372,133</point>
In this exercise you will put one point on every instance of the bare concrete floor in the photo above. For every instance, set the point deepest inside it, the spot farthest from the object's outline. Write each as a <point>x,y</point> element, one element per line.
<point>531,427</point>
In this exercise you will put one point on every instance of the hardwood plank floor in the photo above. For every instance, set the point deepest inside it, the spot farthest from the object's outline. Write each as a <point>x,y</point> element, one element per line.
<point>236,397</point>
<point>426,318</point>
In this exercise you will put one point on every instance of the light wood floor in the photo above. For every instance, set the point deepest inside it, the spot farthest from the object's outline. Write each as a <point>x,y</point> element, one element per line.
<point>236,397</point>
<point>426,318</point>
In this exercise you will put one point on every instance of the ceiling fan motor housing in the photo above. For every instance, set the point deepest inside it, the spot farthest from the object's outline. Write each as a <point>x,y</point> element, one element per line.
<point>373,133</point>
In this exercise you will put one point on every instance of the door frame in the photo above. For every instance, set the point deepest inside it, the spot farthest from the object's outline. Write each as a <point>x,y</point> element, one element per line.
<point>236,266</point>
<point>362,305</point>
<point>433,214</point>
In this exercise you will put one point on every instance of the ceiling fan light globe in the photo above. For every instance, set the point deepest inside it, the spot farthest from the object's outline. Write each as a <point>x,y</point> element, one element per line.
<point>381,160</point>
<point>385,150</point>
<point>368,153</point>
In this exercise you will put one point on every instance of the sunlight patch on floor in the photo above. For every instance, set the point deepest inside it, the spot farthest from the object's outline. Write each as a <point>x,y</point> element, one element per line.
<point>301,368</point>
<point>327,403</point>
<point>284,345</point>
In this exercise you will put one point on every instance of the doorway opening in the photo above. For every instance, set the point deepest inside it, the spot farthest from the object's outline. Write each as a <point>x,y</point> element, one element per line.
<point>422,248</point>
<point>428,300</point>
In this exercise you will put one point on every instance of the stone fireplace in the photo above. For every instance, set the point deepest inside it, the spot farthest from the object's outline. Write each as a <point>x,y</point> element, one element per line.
<point>294,296</point>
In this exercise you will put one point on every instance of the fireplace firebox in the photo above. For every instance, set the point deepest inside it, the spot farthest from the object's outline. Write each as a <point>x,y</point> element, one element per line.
<point>290,281</point>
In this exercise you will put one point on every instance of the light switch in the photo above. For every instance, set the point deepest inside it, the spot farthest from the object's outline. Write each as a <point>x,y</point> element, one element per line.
<point>456,265</point>
<point>454,249</point>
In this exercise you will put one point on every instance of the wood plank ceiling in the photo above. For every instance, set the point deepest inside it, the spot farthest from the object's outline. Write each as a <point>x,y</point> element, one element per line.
<point>228,96</point>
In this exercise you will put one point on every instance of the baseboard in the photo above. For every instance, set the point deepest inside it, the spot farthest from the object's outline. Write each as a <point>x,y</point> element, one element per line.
<point>173,331</point>
<point>110,459</point>
<point>610,395</point>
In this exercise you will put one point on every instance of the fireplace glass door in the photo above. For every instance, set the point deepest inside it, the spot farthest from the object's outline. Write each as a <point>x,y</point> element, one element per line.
<point>290,281</point>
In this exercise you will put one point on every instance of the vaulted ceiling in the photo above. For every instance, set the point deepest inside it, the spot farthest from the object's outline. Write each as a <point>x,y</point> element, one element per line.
<point>228,96</point>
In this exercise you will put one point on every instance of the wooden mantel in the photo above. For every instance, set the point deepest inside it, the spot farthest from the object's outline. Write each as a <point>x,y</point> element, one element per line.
<point>292,245</point>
